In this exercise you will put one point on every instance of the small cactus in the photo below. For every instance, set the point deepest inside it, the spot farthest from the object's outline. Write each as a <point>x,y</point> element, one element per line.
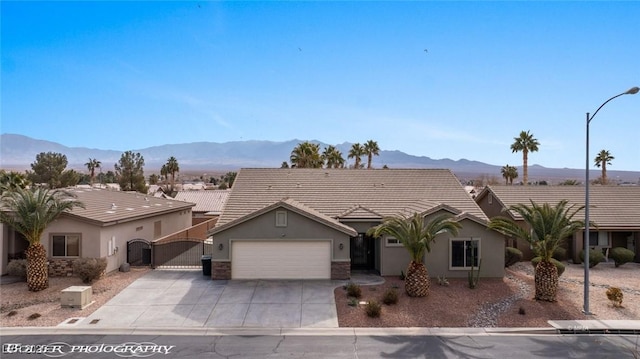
<point>443,281</point>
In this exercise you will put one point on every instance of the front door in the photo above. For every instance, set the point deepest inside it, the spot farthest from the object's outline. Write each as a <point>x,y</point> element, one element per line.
<point>362,252</point>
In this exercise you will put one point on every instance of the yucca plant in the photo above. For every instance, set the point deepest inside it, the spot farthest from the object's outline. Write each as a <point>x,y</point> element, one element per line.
<point>548,227</point>
<point>416,235</point>
<point>29,212</point>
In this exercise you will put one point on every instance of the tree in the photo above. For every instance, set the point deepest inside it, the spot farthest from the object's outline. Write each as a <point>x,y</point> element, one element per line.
<point>12,180</point>
<point>509,173</point>
<point>284,164</point>
<point>306,155</point>
<point>371,149</point>
<point>130,173</point>
<point>171,168</point>
<point>91,166</point>
<point>228,179</point>
<point>603,159</point>
<point>548,227</point>
<point>153,179</point>
<point>332,157</point>
<point>356,151</point>
<point>416,235</point>
<point>525,143</point>
<point>48,168</point>
<point>29,212</point>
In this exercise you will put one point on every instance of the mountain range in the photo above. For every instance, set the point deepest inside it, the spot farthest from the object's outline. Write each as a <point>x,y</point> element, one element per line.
<point>17,152</point>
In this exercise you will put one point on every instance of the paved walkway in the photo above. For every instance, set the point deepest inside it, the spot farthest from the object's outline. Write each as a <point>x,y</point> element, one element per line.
<point>185,298</point>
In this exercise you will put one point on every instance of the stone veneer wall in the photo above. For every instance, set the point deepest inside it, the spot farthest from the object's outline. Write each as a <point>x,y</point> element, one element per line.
<point>61,267</point>
<point>340,270</point>
<point>220,270</point>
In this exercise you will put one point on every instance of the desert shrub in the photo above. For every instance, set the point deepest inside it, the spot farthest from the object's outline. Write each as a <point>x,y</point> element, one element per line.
<point>34,316</point>
<point>390,296</point>
<point>373,309</point>
<point>615,296</point>
<point>512,256</point>
<point>621,255</point>
<point>353,302</point>
<point>89,269</point>
<point>559,254</point>
<point>595,257</point>
<point>557,263</point>
<point>354,290</point>
<point>17,268</point>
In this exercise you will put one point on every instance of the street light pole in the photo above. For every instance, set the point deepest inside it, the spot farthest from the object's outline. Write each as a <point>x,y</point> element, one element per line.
<point>585,310</point>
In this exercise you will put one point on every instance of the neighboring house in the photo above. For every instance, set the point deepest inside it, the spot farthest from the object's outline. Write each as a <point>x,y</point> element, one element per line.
<point>208,203</point>
<point>103,228</point>
<point>312,223</point>
<point>615,210</point>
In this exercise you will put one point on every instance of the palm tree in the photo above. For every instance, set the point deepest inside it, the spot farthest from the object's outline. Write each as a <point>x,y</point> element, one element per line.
<point>356,151</point>
<point>171,168</point>
<point>306,155</point>
<point>525,143</point>
<point>29,212</point>
<point>12,180</point>
<point>416,235</point>
<point>370,149</point>
<point>91,166</point>
<point>332,157</point>
<point>509,173</point>
<point>603,159</point>
<point>548,227</point>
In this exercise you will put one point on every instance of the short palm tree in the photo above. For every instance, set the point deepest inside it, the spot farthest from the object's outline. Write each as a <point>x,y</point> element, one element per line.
<point>29,212</point>
<point>548,227</point>
<point>416,235</point>
<point>525,143</point>
<point>306,155</point>
<point>356,151</point>
<point>602,160</point>
<point>371,149</point>
<point>91,166</point>
<point>509,173</point>
<point>332,157</point>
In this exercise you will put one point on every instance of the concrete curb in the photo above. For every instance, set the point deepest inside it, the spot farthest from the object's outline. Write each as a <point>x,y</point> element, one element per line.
<point>278,331</point>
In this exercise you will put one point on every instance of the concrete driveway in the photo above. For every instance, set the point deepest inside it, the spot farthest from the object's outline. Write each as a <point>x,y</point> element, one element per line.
<point>186,298</point>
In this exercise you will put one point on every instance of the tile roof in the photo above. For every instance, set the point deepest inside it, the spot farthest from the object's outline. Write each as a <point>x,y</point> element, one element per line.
<point>609,206</point>
<point>342,192</point>
<point>210,201</point>
<point>295,207</point>
<point>105,207</point>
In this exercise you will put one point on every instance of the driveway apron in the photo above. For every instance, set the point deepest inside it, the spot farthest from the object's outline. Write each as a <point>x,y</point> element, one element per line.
<point>186,298</point>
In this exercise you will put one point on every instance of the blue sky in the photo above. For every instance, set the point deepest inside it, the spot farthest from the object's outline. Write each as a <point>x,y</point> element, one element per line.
<point>130,75</point>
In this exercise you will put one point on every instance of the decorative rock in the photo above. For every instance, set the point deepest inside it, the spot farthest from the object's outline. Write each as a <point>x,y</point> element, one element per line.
<point>125,267</point>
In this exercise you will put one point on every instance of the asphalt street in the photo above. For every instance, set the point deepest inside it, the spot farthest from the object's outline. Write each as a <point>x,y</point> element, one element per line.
<point>321,346</point>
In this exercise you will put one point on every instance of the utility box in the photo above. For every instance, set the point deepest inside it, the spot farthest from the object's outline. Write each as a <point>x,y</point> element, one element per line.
<point>76,297</point>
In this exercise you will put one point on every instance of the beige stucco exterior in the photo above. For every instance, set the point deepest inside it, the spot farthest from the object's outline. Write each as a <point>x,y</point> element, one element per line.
<point>95,237</point>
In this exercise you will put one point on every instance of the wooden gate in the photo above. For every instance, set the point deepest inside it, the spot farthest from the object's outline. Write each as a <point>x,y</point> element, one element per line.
<point>139,252</point>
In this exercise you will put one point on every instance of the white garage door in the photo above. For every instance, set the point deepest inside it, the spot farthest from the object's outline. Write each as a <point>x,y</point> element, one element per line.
<point>281,260</point>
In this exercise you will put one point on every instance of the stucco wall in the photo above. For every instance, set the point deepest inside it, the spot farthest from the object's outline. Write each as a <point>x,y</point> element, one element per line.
<point>264,227</point>
<point>396,259</point>
<point>95,239</point>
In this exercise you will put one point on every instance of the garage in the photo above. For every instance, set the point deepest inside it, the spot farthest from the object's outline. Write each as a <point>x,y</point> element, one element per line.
<point>280,259</point>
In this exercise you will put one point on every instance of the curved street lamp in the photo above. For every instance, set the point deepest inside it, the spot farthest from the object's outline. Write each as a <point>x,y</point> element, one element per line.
<point>585,310</point>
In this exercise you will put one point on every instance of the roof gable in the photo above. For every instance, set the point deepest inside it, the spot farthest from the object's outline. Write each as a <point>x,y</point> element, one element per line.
<point>293,206</point>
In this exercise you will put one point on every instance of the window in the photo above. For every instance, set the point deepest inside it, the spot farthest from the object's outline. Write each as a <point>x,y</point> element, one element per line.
<point>464,253</point>
<point>490,198</point>
<point>598,239</point>
<point>281,218</point>
<point>65,245</point>
<point>392,242</point>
